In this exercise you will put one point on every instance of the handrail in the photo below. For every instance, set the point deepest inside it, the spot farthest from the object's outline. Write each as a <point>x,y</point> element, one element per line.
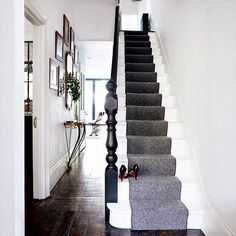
<point>111,107</point>
<point>111,85</point>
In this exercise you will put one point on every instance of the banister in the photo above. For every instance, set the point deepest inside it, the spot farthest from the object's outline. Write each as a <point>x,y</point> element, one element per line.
<point>111,107</point>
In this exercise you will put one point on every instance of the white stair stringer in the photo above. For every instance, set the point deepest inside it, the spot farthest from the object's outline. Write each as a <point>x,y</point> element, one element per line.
<point>191,194</point>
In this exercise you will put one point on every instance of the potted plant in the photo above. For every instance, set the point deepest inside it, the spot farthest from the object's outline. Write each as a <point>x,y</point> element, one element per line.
<point>73,89</point>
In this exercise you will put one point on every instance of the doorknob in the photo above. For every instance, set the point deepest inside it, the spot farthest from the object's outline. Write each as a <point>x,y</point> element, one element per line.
<point>35,122</point>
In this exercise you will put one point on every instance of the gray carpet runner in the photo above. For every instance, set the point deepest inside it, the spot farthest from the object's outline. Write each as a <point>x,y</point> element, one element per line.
<point>155,195</point>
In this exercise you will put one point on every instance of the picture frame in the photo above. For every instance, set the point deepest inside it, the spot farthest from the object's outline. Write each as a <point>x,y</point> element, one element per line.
<point>75,71</point>
<point>53,74</point>
<point>72,40</point>
<point>76,55</point>
<point>68,69</point>
<point>66,30</point>
<point>59,47</point>
<point>61,82</point>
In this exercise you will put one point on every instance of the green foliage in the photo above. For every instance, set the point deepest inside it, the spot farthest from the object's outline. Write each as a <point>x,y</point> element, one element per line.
<point>73,86</point>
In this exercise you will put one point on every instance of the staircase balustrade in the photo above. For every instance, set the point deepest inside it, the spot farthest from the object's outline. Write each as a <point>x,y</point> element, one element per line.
<point>111,107</point>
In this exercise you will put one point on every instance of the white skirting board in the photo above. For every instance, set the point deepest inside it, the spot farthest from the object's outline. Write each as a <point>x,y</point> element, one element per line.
<point>58,170</point>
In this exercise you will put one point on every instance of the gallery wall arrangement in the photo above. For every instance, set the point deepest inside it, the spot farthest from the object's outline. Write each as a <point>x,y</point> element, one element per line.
<point>65,74</point>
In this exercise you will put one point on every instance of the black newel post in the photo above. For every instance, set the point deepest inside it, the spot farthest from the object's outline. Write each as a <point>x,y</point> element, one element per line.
<point>111,172</point>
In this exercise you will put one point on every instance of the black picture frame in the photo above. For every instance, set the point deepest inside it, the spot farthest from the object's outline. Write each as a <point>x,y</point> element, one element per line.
<point>66,30</point>
<point>53,74</point>
<point>76,55</point>
<point>68,69</point>
<point>59,47</point>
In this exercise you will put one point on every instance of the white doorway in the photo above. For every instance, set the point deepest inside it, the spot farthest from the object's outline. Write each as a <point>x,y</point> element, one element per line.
<point>38,21</point>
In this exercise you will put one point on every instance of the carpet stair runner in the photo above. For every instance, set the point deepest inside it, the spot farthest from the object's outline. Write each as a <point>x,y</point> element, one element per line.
<point>155,196</point>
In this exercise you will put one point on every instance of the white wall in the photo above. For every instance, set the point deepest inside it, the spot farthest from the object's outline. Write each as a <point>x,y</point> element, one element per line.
<point>12,118</point>
<point>98,58</point>
<point>94,19</point>
<point>56,113</point>
<point>199,39</point>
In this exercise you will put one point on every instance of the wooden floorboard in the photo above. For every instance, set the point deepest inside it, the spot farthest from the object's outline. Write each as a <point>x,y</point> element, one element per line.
<point>76,204</point>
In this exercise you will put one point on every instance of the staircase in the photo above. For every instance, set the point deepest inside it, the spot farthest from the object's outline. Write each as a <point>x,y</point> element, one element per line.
<point>147,118</point>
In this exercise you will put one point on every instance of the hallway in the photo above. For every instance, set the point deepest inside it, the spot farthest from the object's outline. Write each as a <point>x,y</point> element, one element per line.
<point>76,205</point>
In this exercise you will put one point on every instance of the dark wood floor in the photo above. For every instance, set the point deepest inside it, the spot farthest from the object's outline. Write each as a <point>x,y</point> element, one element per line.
<point>76,204</point>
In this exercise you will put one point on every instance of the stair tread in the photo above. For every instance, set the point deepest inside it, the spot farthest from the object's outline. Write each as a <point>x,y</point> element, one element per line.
<point>141,77</point>
<point>138,50</point>
<point>144,99</point>
<point>137,43</point>
<point>159,165</point>
<point>134,32</point>
<point>171,215</point>
<point>145,94</point>
<point>145,87</point>
<point>147,137</point>
<point>154,179</point>
<point>148,144</point>
<point>150,156</point>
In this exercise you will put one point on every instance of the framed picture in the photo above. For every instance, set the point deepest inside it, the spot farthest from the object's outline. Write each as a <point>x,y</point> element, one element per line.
<point>75,71</point>
<point>76,55</point>
<point>66,30</point>
<point>61,82</point>
<point>59,47</point>
<point>69,63</point>
<point>53,74</point>
<point>72,39</point>
<point>68,69</point>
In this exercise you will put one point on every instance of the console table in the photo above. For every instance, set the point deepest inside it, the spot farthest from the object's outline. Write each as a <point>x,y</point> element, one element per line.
<point>81,127</point>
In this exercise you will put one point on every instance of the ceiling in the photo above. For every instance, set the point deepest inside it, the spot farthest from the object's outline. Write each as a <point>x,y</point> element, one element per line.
<point>98,57</point>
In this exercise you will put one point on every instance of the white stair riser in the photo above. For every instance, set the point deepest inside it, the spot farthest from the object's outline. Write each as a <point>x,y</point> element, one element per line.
<point>123,190</point>
<point>166,89</point>
<point>120,219</point>
<point>121,129</point>
<point>121,61</point>
<point>160,70</point>
<point>179,147</point>
<point>168,101</point>
<point>191,193</point>
<point>158,60</point>
<point>185,170</point>
<point>121,115</point>
<point>195,220</point>
<point>121,68</point>
<point>120,90</point>
<point>162,79</point>
<point>121,101</point>
<point>175,130</point>
<point>171,114</point>
<point>120,79</point>
<point>122,146</point>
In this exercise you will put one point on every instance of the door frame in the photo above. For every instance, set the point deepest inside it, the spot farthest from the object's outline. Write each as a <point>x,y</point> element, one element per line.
<point>41,173</point>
